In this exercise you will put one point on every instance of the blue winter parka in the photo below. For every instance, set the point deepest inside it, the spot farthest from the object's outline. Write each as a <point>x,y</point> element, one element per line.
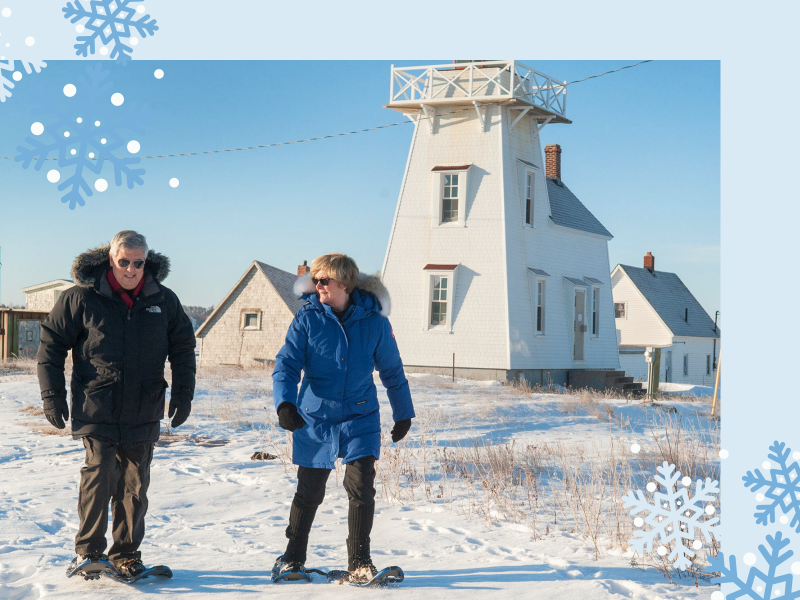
<point>338,398</point>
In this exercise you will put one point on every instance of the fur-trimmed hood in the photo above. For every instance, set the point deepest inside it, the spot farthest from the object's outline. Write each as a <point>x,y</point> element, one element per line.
<point>85,266</point>
<point>369,285</point>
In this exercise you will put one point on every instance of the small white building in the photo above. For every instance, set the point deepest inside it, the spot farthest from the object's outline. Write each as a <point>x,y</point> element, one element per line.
<point>248,327</point>
<point>494,266</point>
<point>44,295</point>
<point>655,309</point>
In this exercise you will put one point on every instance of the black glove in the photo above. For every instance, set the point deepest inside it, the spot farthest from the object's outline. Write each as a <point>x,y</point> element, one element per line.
<point>288,417</point>
<point>55,409</point>
<point>180,407</point>
<point>400,429</point>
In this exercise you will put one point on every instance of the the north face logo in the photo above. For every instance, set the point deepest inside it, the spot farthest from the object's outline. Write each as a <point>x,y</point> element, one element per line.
<point>154,309</point>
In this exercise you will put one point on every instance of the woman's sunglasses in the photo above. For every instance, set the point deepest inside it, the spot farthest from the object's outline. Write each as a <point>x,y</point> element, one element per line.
<point>124,262</point>
<point>325,281</point>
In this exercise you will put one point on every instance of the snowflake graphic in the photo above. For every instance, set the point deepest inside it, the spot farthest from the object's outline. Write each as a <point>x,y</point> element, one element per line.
<point>86,131</point>
<point>674,516</point>
<point>759,585</point>
<point>6,85</point>
<point>783,486</point>
<point>111,21</point>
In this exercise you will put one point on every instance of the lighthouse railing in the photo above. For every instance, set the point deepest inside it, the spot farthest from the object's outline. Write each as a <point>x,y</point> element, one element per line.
<point>484,81</point>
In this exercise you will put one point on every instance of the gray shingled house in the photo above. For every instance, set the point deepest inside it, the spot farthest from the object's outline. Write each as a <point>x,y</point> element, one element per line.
<point>655,309</point>
<point>249,325</point>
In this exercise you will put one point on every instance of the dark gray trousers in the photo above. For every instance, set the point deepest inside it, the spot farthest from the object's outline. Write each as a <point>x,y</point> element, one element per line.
<point>120,476</point>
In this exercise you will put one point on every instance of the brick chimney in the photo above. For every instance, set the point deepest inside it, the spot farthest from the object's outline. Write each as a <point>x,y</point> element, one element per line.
<point>303,269</point>
<point>552,161</point>
<point>649,262</point>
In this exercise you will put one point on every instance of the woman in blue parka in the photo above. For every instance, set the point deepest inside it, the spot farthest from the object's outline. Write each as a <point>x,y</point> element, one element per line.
<point>337,340</point>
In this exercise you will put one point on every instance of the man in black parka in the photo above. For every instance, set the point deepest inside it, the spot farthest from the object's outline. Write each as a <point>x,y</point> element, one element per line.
<point>121,325</point>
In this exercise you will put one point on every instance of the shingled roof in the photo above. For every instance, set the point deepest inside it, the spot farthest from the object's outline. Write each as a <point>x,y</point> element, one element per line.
<point>567,211</point>
<point>670,298</point>
<point>283,282</point>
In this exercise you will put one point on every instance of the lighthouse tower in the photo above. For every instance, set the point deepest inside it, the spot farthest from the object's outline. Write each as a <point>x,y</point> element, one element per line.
<point>493,265</point>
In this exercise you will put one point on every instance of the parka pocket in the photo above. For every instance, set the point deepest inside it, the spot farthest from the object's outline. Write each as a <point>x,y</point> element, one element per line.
<point>151,401</point>
<point>98,403</point>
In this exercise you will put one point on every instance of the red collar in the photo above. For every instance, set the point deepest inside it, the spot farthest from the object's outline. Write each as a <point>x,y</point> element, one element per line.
<point>127,296</point>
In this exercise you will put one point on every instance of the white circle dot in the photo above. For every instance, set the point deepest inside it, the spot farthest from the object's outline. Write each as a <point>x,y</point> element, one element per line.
<point>29,41</point>
<point>103,50</point>
<point>73,151</point>
<point>759,589</point>
<point>134,41</point>
<point>53,176</point>
<point>79,28</point>
<point>8,45</point>
<point>140,9</point>
<point>796,455</point>
<point>687,481</point>
<point>697,544</point>
<point>638,521</point>
<point>117,99</point>
<point>6,12</point>
<point>717,595</point>
<point>133,146</point>
<point>79,120</point>
<point>37,128</point>
<point>91,154</point>
<point>158,73</point>
<point>651,487</point>
<point>749,559</point>
<point>174,182</point>
<point>66,134</point>
<point>784,519</point>
<point>796,568</point>
<point>70,90</point>
<point>760,497</point>
<point>723,454</point>
<point>101,185</point>
<point>662,550</point>
<point>710,510</point>
<point>16,76</point>
<point>635,448</point>
<point>97,123</point>
<point>767,465</point>
<point>103,141</point>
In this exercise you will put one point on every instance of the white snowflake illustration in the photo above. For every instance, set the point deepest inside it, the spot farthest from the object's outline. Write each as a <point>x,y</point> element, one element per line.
<point>783,486</point>
<point>109,21</point>
<point>6,83</point>
<point>759,585</point>
<point>86,131</point>
<point>674,517</point>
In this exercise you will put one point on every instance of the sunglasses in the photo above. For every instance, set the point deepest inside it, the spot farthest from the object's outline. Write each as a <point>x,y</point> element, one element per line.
<point>124,262</point>
<point>325,281</point>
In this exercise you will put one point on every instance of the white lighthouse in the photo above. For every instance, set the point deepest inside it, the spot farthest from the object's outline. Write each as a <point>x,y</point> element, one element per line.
<point>492,263</point>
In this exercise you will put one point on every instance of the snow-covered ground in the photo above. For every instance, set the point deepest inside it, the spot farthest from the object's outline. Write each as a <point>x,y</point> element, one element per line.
<point>218,518</point>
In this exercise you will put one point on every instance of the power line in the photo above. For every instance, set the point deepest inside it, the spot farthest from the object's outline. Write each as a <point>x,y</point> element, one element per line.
<point>335,135</point>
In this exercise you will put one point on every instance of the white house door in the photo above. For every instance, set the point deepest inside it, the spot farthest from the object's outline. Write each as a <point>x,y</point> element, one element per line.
<point>580,324</point>
<point>668,367</point>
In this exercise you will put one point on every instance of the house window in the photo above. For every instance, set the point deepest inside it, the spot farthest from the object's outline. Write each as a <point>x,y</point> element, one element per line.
<point>439,301</point>
<point>450,196</point>
<point>619,310</point>
<point>529,199</point>
<point>251,320</point>
<point>540,296</point>
<point>708,364</point>
<point>685,365</point>
<point>595,312</point>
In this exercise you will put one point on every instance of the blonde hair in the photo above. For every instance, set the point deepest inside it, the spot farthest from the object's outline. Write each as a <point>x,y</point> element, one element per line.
<point>340,267</point>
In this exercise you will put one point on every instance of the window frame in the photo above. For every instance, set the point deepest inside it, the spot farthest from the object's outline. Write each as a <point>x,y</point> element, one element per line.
<point>624,310</point>
<point>243,319</point>
<point>438,196</point>
<point>595,333</point>
<point>528,196</point>
<point>429,275</point>
<point>541,295</point>
<point>686,364</point>
<point>708,364</point>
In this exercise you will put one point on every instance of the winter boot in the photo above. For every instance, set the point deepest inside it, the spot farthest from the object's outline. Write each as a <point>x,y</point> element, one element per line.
<point>359,562</point>
<point>284,570</point>
<point>130,568</point>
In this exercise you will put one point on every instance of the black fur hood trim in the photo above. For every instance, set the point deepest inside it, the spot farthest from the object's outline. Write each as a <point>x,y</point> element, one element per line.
<point>85,266</point>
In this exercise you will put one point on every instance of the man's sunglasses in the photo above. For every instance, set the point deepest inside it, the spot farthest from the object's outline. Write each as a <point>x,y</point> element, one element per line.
<point>124,262</point>
<point>325,281</point>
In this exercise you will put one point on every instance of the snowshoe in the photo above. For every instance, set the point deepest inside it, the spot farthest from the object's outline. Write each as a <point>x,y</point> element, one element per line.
<point>90,566</point>
<point>368,576</point>
<point>133,569</point>
<point>289,571</point>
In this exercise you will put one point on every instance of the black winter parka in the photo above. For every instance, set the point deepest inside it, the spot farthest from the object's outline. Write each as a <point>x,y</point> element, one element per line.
<point>118,355</point>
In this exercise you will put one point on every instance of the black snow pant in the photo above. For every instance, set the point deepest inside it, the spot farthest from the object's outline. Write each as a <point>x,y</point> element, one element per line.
<point>121,476</point>
<point>359,482</point>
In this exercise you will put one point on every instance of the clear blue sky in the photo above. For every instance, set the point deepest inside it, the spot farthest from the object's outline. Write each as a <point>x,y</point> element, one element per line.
<point>643,154</point>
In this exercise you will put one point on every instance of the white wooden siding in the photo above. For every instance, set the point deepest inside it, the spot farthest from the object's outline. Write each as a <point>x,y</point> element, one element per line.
<point>641,325</point>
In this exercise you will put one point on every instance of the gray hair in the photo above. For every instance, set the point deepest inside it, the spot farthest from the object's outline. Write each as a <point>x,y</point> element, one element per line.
<point>128,240</point>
